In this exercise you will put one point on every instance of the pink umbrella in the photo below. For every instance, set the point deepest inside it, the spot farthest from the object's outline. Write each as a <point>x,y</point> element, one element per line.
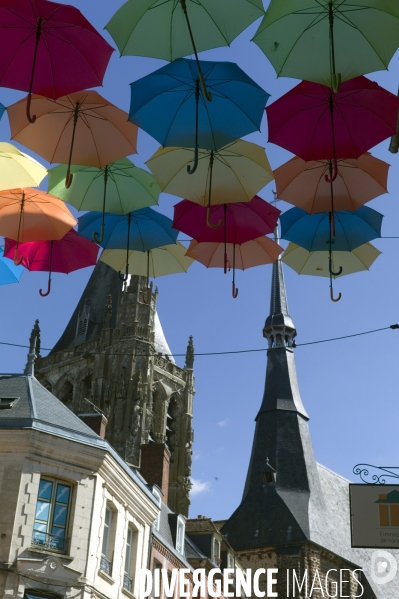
<point>49,49</point>
<point>242,221</point>
<point>65,255</point>
<point>315,123</point>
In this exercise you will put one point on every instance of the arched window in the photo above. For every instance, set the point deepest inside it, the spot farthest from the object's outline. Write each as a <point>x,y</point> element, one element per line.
<point>171,424</point>
<point>86,386</point>
<point>66,392</point>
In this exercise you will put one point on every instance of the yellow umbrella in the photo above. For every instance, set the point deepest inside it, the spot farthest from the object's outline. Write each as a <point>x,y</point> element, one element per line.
<point>165,260</point>
<point>17,169</point>
<point>235,173</point>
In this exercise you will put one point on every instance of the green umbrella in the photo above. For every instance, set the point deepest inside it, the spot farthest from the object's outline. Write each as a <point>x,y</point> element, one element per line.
<point>119,188</point>
<point>318,263</point>
<point>329,41</point>
<point>171,29</point>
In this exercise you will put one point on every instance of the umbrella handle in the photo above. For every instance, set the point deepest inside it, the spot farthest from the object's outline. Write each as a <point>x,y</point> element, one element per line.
<point>68,178</point>
<point>147,296</point>
<point>208,220</point>
<point>48,289</point>
<point>17,261</point>
<point>234,290</point>
<point>31,119</point>
<point>332,273</point>
<point>225,263</point>
<point>100,239</point>
<point>334,299</point>
<point>191,169</point>
<point>206,93</point>
<point>123,277</point>
<point>334,173</point>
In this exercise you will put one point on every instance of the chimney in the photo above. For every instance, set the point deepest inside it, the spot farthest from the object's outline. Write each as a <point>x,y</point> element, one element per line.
<point>96,421</point>
<point>155,462</point>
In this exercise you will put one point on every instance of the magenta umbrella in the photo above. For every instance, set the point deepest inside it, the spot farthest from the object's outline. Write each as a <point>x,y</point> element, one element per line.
<point>242,221</point>
<point>65,255</point>
<point>49,49</point>
<point>315,123</point>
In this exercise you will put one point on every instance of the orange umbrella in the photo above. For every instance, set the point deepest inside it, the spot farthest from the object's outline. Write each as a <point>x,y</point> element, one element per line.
<point>32,215</point>
<point>306,185</point>
<point>261,250</point>
<point>81,128</point>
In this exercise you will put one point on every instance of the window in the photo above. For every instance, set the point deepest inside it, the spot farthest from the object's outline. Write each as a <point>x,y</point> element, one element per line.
<point>216,551</point>
<point>159,498</point>
<point>180,530</point>
<point>127,580</point>
<point>105,563</point>
<point>66,392</point>
<point>52,511</point>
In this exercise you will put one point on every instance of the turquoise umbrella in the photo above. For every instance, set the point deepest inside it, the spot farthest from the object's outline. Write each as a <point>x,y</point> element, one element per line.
<point>9,273</point>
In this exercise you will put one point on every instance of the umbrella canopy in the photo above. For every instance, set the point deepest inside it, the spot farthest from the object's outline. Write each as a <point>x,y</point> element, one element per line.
<point>49,49</point>
<point>119,188</point>
<point>241,221</point>
<point>65,255</point>
<point>31,215</point>
<point>313,231</point>
<point>170,105</point>
<point>9,272</point>
<point>81,128</point>
<point>17,169</point>
<point>358,181</point>
<point>165,260</point>
<point>158,28</point>
<point>315,123</point>
<point>239,171</point>
<point>329,40</point>
<point>317,263</point>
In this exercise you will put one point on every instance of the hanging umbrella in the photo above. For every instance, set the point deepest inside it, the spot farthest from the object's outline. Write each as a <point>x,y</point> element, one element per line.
<point>315,123</point>
<point>358,181</point>
<point>319,263</point>
<point>49,49</point>
<point>17,169</point>
<point>329,41</point>
<point>158,262</point>
<point>119,187</point>
<point>81,128</point>
<point>168,29</point>
<point>241,221</point>
<point>235,173</point>
<point>141,230</point>
<point>64,255</point>
<point>256,252</point>
<point>169,105</point>
<point>9,272</point>
<point>31,214</point>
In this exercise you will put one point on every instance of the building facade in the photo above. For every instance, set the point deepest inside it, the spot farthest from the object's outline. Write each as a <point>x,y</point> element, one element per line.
<point>113,353</point>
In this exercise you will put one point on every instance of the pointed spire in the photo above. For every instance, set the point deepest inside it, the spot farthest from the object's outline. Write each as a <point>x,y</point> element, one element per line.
<point>34,349</point>
<point>190,353</point>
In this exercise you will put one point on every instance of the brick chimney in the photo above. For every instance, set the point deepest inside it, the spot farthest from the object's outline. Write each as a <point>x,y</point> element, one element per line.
<point>155,462</point>
<point>96,421</point>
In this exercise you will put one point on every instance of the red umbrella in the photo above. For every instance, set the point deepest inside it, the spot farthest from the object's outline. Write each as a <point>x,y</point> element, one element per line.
<point>316,124</point>
<point>49,49</point>
<point>65,255</point>
<point>242,221</point>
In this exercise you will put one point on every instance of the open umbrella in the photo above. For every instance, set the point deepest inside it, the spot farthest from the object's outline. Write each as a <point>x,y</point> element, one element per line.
<point>9,272</point>
<point>81,128</point>
<point>241,221</point>
<point>235,173</point>
<point>256,252</point>
<point>315,123</point>
<point>31,215</point>
<point>49,49</point>
<point>358,181</point>
<point>17,169</point>
<point>171,29</point>
<point>64,255</point>
<point>319,263</point>
<point>140,230</point>
<point>158,262</point>
<point>119,187</point>
<point>169,105</point>
<point>329,41</point>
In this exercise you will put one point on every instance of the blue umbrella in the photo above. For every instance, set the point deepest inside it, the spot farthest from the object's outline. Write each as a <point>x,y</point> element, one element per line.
<point>314,232</point>
<point>9,273</point>
<point>170,105</point>
<point>141,230</point>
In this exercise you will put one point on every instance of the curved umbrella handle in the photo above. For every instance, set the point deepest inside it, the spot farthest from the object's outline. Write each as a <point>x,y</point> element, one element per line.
<point>48,289</point>
<point>68,178</point>
<point>31,119</point>
<point>334,172</point>
<point>123,277</point>
<point>208,220</point>
<point>335,274</point>
<point>335,82</point>
<point>191,169</point>
<point>234,290</point>
<point>17,261</point>
<point>100,239</point>
<point>334,299</point>
<point>207,94</point>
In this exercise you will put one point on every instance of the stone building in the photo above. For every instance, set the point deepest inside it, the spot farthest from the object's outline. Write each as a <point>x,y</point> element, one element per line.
<point>294,513</point>
<point>113,353</point>
<point>75,519</point>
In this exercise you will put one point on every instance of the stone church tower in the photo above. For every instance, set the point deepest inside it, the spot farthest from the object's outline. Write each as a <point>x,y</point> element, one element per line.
<point>113,353</point>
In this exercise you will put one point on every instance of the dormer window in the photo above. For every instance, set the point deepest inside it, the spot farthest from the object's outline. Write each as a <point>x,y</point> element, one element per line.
<point>216,551</point>
<point>6,403</point>
<point>180,532</point>
<point>158,496</point>
<point>268,474</point>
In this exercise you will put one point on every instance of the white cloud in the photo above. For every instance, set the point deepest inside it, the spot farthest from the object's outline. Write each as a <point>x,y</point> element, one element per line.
<point>223,423</point>
<point>199,487</point>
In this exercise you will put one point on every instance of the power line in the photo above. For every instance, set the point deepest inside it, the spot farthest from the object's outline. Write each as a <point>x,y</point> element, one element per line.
<point>219,353</point>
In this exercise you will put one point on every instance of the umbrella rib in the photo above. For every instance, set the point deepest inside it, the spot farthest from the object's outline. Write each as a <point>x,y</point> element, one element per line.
<point>94,140</point>
<point>185,99</point>
<point>61,134</point>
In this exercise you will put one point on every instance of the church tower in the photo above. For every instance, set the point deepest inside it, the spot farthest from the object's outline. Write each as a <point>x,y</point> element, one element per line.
<point>113,356</point>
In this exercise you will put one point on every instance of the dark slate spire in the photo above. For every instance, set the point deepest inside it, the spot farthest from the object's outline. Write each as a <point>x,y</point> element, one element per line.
<point>275,509</point>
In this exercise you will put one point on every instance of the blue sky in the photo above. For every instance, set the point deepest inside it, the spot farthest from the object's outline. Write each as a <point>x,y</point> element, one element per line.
<point>349,388</point>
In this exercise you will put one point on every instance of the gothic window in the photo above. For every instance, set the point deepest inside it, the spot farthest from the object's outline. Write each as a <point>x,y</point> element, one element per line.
<point>52,512</point>
<point>66,392</point>
<point>86,386</point>
<point>171,424</point>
